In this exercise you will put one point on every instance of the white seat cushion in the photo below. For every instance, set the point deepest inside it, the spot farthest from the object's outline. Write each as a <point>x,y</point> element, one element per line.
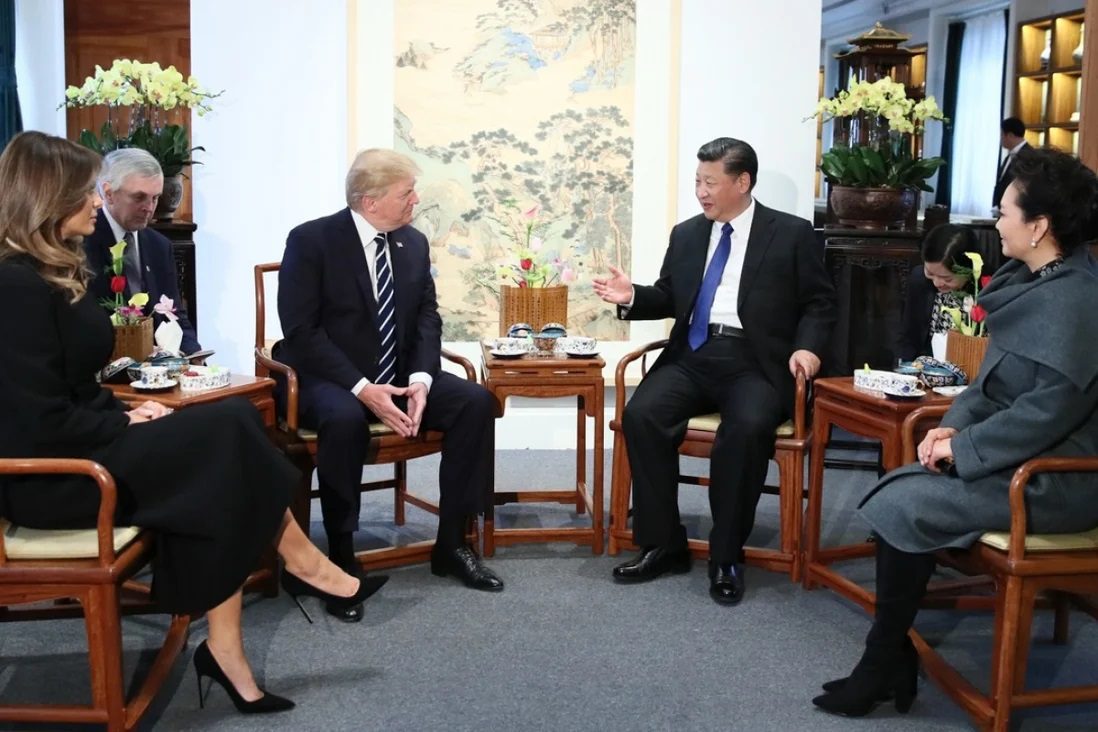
<point>23,543</point>
<point>1045,542</point>
<point>710,423</point>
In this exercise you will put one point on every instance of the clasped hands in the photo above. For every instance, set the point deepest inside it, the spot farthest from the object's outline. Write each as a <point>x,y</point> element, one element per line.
<point>148,411</point>
<point>378,398</point>
<point>935,448</point>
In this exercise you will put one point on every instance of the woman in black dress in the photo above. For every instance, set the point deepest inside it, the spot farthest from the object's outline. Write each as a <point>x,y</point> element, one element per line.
<point>935,285</point>
<point>206,479</point>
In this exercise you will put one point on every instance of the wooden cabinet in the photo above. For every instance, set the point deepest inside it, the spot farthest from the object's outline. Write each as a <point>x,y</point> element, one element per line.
<point>181,234</point>
<point>1048,79</point>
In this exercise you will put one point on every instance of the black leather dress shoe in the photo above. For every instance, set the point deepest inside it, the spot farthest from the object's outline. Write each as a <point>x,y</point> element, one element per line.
<point>651,563</point>
<point>464,564</point>
<point>726,585</point>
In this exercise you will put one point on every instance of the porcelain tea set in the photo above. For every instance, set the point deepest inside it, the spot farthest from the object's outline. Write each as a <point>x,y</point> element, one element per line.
<point>523,340</point>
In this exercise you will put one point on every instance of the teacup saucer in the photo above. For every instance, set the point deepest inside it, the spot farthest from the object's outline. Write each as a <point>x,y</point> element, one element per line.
<point>507,354</point>
<point>581,354</point>
<point>142,386</point>
<point>913,394</point>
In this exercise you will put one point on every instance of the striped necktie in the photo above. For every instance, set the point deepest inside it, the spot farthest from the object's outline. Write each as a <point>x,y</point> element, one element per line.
<point>386,324</point>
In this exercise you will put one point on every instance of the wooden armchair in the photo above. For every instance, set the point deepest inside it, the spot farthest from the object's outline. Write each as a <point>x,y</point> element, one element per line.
<point>1021,566</point>
<point>386,447</point>
<point>793,438</point>
<point>92,567</point>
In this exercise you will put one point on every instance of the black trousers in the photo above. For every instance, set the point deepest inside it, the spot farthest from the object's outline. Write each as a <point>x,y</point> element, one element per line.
<point>721,376</point>
<point>463,410</point>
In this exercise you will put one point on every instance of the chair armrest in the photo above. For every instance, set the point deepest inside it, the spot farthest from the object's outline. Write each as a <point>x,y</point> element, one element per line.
<point>288,373</point>
<point>470,372</point>
<point>1018,485</point>
<point>619,372</point>
<point>916,420</point>
<point>800,406</point>
<point>108,494</point>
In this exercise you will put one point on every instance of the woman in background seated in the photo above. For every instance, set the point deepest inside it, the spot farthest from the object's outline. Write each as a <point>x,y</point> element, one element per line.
<point>1035,396</point>
<point>206,479</point>
<point>933,286</point>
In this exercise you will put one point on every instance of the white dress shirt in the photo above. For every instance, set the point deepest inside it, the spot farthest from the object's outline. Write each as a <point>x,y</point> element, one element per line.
<point>725,309</point>
<point>367,234</point>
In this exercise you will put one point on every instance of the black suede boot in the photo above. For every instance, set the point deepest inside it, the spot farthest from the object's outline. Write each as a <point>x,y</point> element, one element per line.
<point>889,666</point>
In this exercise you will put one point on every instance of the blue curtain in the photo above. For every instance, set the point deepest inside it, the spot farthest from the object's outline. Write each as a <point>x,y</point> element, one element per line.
<point>11,119</point>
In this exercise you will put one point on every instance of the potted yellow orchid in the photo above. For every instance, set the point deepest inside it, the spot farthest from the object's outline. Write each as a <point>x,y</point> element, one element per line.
<point>877,178</point>
<point>153,97</point>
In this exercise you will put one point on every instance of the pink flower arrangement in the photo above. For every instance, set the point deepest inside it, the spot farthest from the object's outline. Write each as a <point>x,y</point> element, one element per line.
<point>535,266</point>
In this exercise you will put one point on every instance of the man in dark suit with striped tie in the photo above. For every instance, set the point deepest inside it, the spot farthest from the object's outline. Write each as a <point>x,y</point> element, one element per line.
<point>361,327</point>
<point>753,305</point>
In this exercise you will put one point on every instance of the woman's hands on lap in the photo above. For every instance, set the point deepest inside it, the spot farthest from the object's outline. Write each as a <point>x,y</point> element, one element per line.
<point>148,411</point>
<point>935,447</point>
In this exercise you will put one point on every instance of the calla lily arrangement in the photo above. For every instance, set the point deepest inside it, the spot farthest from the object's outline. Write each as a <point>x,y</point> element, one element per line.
<point>536,266</point>
<point>123,312</point>
<point>970,318</point>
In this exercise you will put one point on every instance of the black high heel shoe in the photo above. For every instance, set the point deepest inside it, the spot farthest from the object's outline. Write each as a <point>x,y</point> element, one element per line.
<point>871,683</point>
<point>347,609</point>
<point>206,665</point>
<point>910,654</point>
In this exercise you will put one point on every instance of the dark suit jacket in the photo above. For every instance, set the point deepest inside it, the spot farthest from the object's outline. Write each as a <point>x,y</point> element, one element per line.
<point>160,275</point>
<point>786,298</point>
<point>1005,177</point>
<point>914,338</point>
<point>327,306</point>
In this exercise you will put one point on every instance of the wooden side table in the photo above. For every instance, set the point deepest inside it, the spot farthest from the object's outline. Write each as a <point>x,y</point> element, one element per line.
<point>260,392</point>
<point>545,378</point>
<point>869,413</point>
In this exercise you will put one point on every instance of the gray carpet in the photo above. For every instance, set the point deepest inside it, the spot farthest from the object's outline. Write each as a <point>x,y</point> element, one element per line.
<point>563,647</point>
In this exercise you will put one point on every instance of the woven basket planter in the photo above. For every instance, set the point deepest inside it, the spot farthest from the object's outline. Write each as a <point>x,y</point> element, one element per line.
<point>534,305</point>
<point>135,341</point>
<point>966,351</point>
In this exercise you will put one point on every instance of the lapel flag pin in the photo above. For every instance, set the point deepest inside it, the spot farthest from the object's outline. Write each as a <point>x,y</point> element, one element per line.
<point>400,245</point>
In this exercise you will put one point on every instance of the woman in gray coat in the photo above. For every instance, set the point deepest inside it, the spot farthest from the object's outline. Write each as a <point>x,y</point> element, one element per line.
<point>1035,396</point>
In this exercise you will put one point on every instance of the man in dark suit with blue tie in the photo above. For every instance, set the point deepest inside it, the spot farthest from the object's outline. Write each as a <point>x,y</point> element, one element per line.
<point>362,329</point>
<point>130,184</point>
<point>753,305</point>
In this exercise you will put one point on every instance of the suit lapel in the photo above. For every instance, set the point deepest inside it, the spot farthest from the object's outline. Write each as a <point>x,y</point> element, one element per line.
<point>350,252</point>
<point>401,266</point>
<point>762,231</point>
<point>693,260</point>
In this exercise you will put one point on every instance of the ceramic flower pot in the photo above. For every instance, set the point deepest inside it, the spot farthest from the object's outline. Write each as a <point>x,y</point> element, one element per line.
<point>534,305</point>
<point>170,198</point>
<point>871,208</point>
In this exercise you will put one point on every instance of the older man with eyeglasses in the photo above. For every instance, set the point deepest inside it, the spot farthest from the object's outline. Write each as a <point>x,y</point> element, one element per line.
<point>130,184</point>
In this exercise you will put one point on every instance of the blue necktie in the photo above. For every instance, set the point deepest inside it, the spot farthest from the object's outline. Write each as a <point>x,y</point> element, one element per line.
<point>699,326</point>
<point>386,325</point>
